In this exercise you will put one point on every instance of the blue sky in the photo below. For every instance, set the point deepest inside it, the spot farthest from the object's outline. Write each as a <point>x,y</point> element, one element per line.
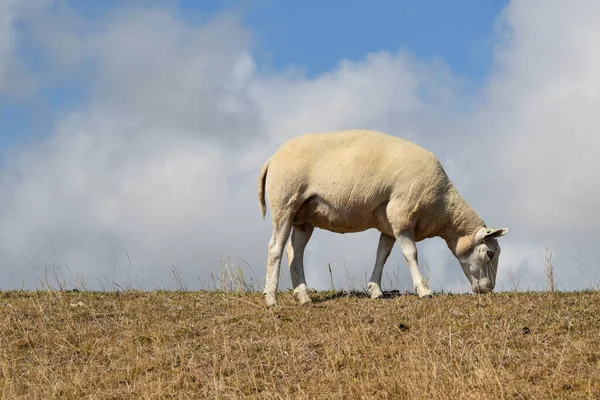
<point>316,34</point>
<point>310,35</point>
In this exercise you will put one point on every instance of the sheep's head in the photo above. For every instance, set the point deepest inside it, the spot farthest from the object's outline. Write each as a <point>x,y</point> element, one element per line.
<point>479,260</point>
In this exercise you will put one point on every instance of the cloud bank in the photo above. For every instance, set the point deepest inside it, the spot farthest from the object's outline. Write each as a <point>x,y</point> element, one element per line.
<point>157,169</point>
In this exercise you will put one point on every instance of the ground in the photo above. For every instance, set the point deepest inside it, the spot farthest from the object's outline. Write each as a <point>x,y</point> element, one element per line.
<point>180,345</point>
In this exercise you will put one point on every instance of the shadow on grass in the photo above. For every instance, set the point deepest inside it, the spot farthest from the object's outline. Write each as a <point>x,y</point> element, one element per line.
<point>320,297</point>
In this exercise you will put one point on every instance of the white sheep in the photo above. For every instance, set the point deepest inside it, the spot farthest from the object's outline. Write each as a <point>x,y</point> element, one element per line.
<point>354,180</point>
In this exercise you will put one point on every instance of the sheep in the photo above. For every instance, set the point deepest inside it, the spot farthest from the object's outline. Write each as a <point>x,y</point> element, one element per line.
<point>353,180</point>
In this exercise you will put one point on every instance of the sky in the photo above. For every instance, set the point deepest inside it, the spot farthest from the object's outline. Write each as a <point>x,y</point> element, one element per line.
<point>132,133</point>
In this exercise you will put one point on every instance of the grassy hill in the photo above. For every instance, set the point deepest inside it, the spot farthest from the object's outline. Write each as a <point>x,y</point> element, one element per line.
<point>164,345</point>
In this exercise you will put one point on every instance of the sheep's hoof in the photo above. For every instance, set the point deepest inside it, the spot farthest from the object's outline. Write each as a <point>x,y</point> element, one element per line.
<point>302,298</point>
<point>271,301</point>
<point>301,295</point>
<point>375,291</point>
<point>305,301</point>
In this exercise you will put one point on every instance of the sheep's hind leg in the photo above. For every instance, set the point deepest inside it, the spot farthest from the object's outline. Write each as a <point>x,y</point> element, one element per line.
<point>281,234</point>
<point>295,253</point>
<point>386,244</point>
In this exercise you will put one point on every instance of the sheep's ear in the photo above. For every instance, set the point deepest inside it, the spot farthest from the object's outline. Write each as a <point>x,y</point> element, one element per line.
<point>495,233</point>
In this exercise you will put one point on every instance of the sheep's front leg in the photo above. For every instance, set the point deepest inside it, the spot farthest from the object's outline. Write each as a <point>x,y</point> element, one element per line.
<point>386,244</point>
<point>409,249</point>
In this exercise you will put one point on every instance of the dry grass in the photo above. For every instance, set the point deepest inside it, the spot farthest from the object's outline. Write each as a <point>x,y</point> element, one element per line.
<point>215,345</point>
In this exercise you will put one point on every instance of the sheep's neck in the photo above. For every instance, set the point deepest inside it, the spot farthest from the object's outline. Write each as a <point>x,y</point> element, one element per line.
<point>462,222</point>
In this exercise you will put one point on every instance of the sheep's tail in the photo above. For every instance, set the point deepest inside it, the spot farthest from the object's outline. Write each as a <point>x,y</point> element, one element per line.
<point>262,181</point>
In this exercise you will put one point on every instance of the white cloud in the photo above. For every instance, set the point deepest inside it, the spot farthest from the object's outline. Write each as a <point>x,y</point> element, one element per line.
<point>162,163</point>
<point>542,122</point>
<point>16,82</point>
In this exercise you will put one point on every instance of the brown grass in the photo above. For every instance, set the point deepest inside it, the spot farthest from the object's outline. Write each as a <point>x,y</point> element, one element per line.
<point>181,345</point>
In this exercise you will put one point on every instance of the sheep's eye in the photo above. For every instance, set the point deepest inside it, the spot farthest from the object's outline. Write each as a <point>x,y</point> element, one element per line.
<point>490,254</point>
